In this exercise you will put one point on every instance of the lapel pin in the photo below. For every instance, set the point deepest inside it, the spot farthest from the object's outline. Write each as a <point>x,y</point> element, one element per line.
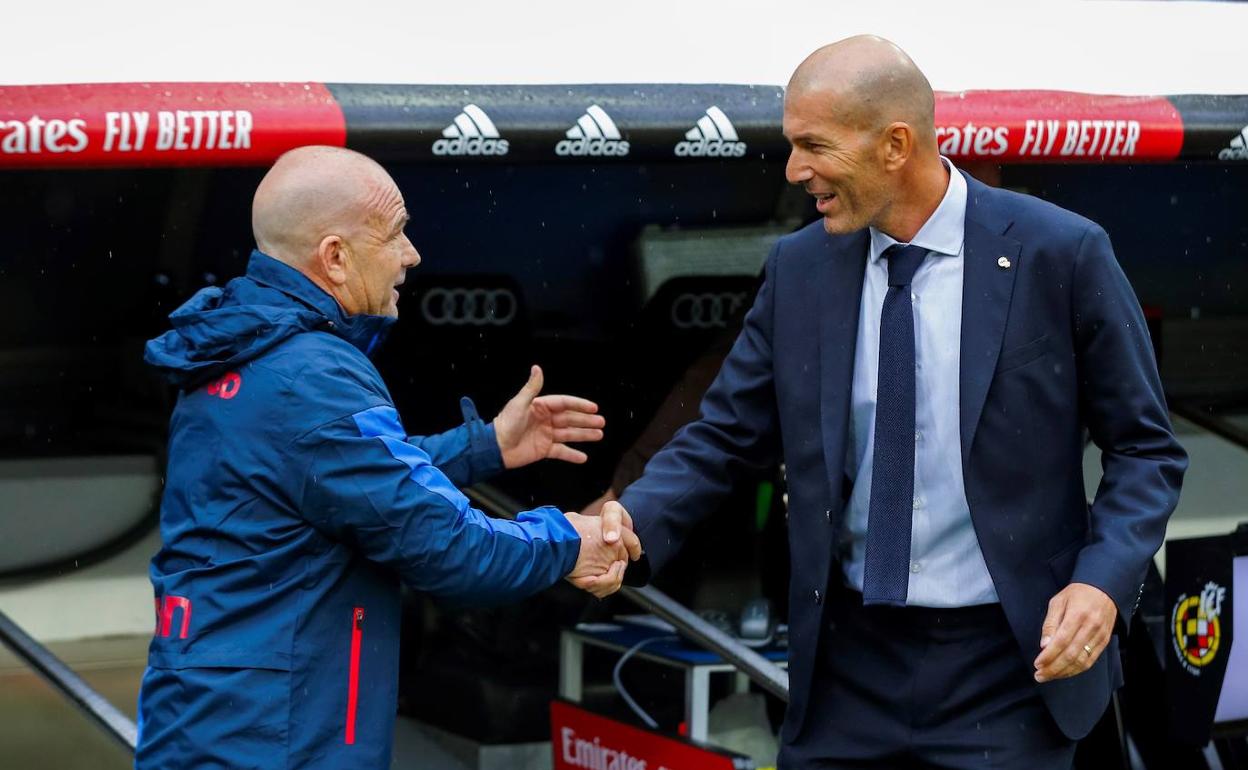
<point>1003,263</point>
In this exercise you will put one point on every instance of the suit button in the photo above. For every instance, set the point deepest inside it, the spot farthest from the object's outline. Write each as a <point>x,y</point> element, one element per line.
<point>828,514</point>
<point>818,597</point>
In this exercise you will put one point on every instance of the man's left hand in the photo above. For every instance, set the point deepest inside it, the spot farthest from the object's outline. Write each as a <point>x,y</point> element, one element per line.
<point>1075,632</point>
<point>532,427</point>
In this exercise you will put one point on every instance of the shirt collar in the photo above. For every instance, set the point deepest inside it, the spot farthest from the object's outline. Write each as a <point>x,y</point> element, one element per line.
<point>944,230</point>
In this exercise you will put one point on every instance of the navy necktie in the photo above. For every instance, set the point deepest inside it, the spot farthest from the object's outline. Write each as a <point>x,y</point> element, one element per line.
<point>887,568</point>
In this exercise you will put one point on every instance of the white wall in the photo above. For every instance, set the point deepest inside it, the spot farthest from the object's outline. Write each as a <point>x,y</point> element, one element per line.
<point>1097,46</point>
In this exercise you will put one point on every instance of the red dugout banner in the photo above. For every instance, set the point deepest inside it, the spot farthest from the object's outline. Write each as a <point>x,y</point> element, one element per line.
<point>237,124</point>
<point>582,740</point>
<point>1038,126</point>
<point>163,124</point>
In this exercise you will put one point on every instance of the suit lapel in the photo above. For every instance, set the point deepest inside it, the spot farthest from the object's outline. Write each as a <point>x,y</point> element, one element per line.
<point>838,285</point>
<point>991,261</point>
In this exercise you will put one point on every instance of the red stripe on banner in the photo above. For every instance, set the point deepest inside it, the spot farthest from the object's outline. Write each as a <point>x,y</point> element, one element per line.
<point>163,124</point>
<point>583,740</point>
<point>1041,126</point>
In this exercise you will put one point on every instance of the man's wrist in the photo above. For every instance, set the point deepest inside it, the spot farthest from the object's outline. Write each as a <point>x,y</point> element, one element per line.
<point>486,457</point>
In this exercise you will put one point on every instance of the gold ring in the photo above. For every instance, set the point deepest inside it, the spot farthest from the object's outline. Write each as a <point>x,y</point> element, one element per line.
<point>1087,649</point>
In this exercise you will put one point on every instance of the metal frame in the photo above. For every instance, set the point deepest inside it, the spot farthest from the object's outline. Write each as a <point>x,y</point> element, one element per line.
<point>69,684</point>
<point>697,678</point>
<point>763,672</point>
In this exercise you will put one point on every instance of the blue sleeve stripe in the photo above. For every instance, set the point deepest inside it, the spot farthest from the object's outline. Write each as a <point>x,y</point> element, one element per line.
<point>382,422</point>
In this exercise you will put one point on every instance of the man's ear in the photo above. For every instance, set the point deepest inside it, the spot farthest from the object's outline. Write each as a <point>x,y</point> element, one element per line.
<point>333,257</point>
<point>898,145</point>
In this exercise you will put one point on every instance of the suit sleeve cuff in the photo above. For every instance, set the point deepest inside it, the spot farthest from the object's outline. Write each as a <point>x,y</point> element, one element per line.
<point>1126,598</point>
<point>655,552</point>
<point>638,572</point>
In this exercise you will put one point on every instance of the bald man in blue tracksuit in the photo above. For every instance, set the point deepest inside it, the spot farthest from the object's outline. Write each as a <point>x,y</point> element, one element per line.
<point>295,503</point>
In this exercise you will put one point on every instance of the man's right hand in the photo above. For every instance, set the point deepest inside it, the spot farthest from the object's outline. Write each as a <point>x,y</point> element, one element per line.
<point>606,546</point>
<point>616,523</point>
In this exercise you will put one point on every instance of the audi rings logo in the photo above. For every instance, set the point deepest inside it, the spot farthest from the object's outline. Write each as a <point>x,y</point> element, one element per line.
<point>707,310</point>
<point>469,307</point>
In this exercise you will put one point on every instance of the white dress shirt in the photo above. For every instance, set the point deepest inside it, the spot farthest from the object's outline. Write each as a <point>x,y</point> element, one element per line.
<point>946,564</point>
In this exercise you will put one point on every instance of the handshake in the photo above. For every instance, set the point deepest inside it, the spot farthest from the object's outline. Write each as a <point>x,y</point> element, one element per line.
<point>608,543</point>
<point>534,427</point>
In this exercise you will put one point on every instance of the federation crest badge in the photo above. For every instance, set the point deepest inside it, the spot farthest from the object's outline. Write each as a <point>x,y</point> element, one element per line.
<point>1196,629</point>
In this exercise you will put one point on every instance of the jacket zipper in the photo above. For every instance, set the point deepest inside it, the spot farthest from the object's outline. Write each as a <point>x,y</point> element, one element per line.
<point>353,683</point>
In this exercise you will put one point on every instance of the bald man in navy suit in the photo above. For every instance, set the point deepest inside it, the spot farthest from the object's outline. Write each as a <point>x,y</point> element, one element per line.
<point>925,360</point>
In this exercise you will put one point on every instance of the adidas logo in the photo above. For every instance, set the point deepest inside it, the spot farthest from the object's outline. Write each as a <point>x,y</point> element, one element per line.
<point>471,133</point>
<point>594,135</point>
<point>1238,150</point>
<point>712,137</point>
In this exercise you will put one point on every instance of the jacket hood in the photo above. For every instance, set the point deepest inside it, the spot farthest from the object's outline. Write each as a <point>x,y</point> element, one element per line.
<point>220,329</point>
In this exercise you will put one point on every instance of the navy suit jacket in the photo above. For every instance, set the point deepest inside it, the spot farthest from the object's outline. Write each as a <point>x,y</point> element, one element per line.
<point>1053,342</point>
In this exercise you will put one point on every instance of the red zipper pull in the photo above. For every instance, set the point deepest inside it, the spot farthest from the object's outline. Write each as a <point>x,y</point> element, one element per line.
<point>353,682</point>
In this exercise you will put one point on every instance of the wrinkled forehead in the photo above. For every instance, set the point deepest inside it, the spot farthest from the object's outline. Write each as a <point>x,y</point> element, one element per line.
<point>383,200</point>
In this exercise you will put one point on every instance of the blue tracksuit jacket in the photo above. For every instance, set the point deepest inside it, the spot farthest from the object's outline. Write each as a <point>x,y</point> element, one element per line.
<point>294,505</point>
